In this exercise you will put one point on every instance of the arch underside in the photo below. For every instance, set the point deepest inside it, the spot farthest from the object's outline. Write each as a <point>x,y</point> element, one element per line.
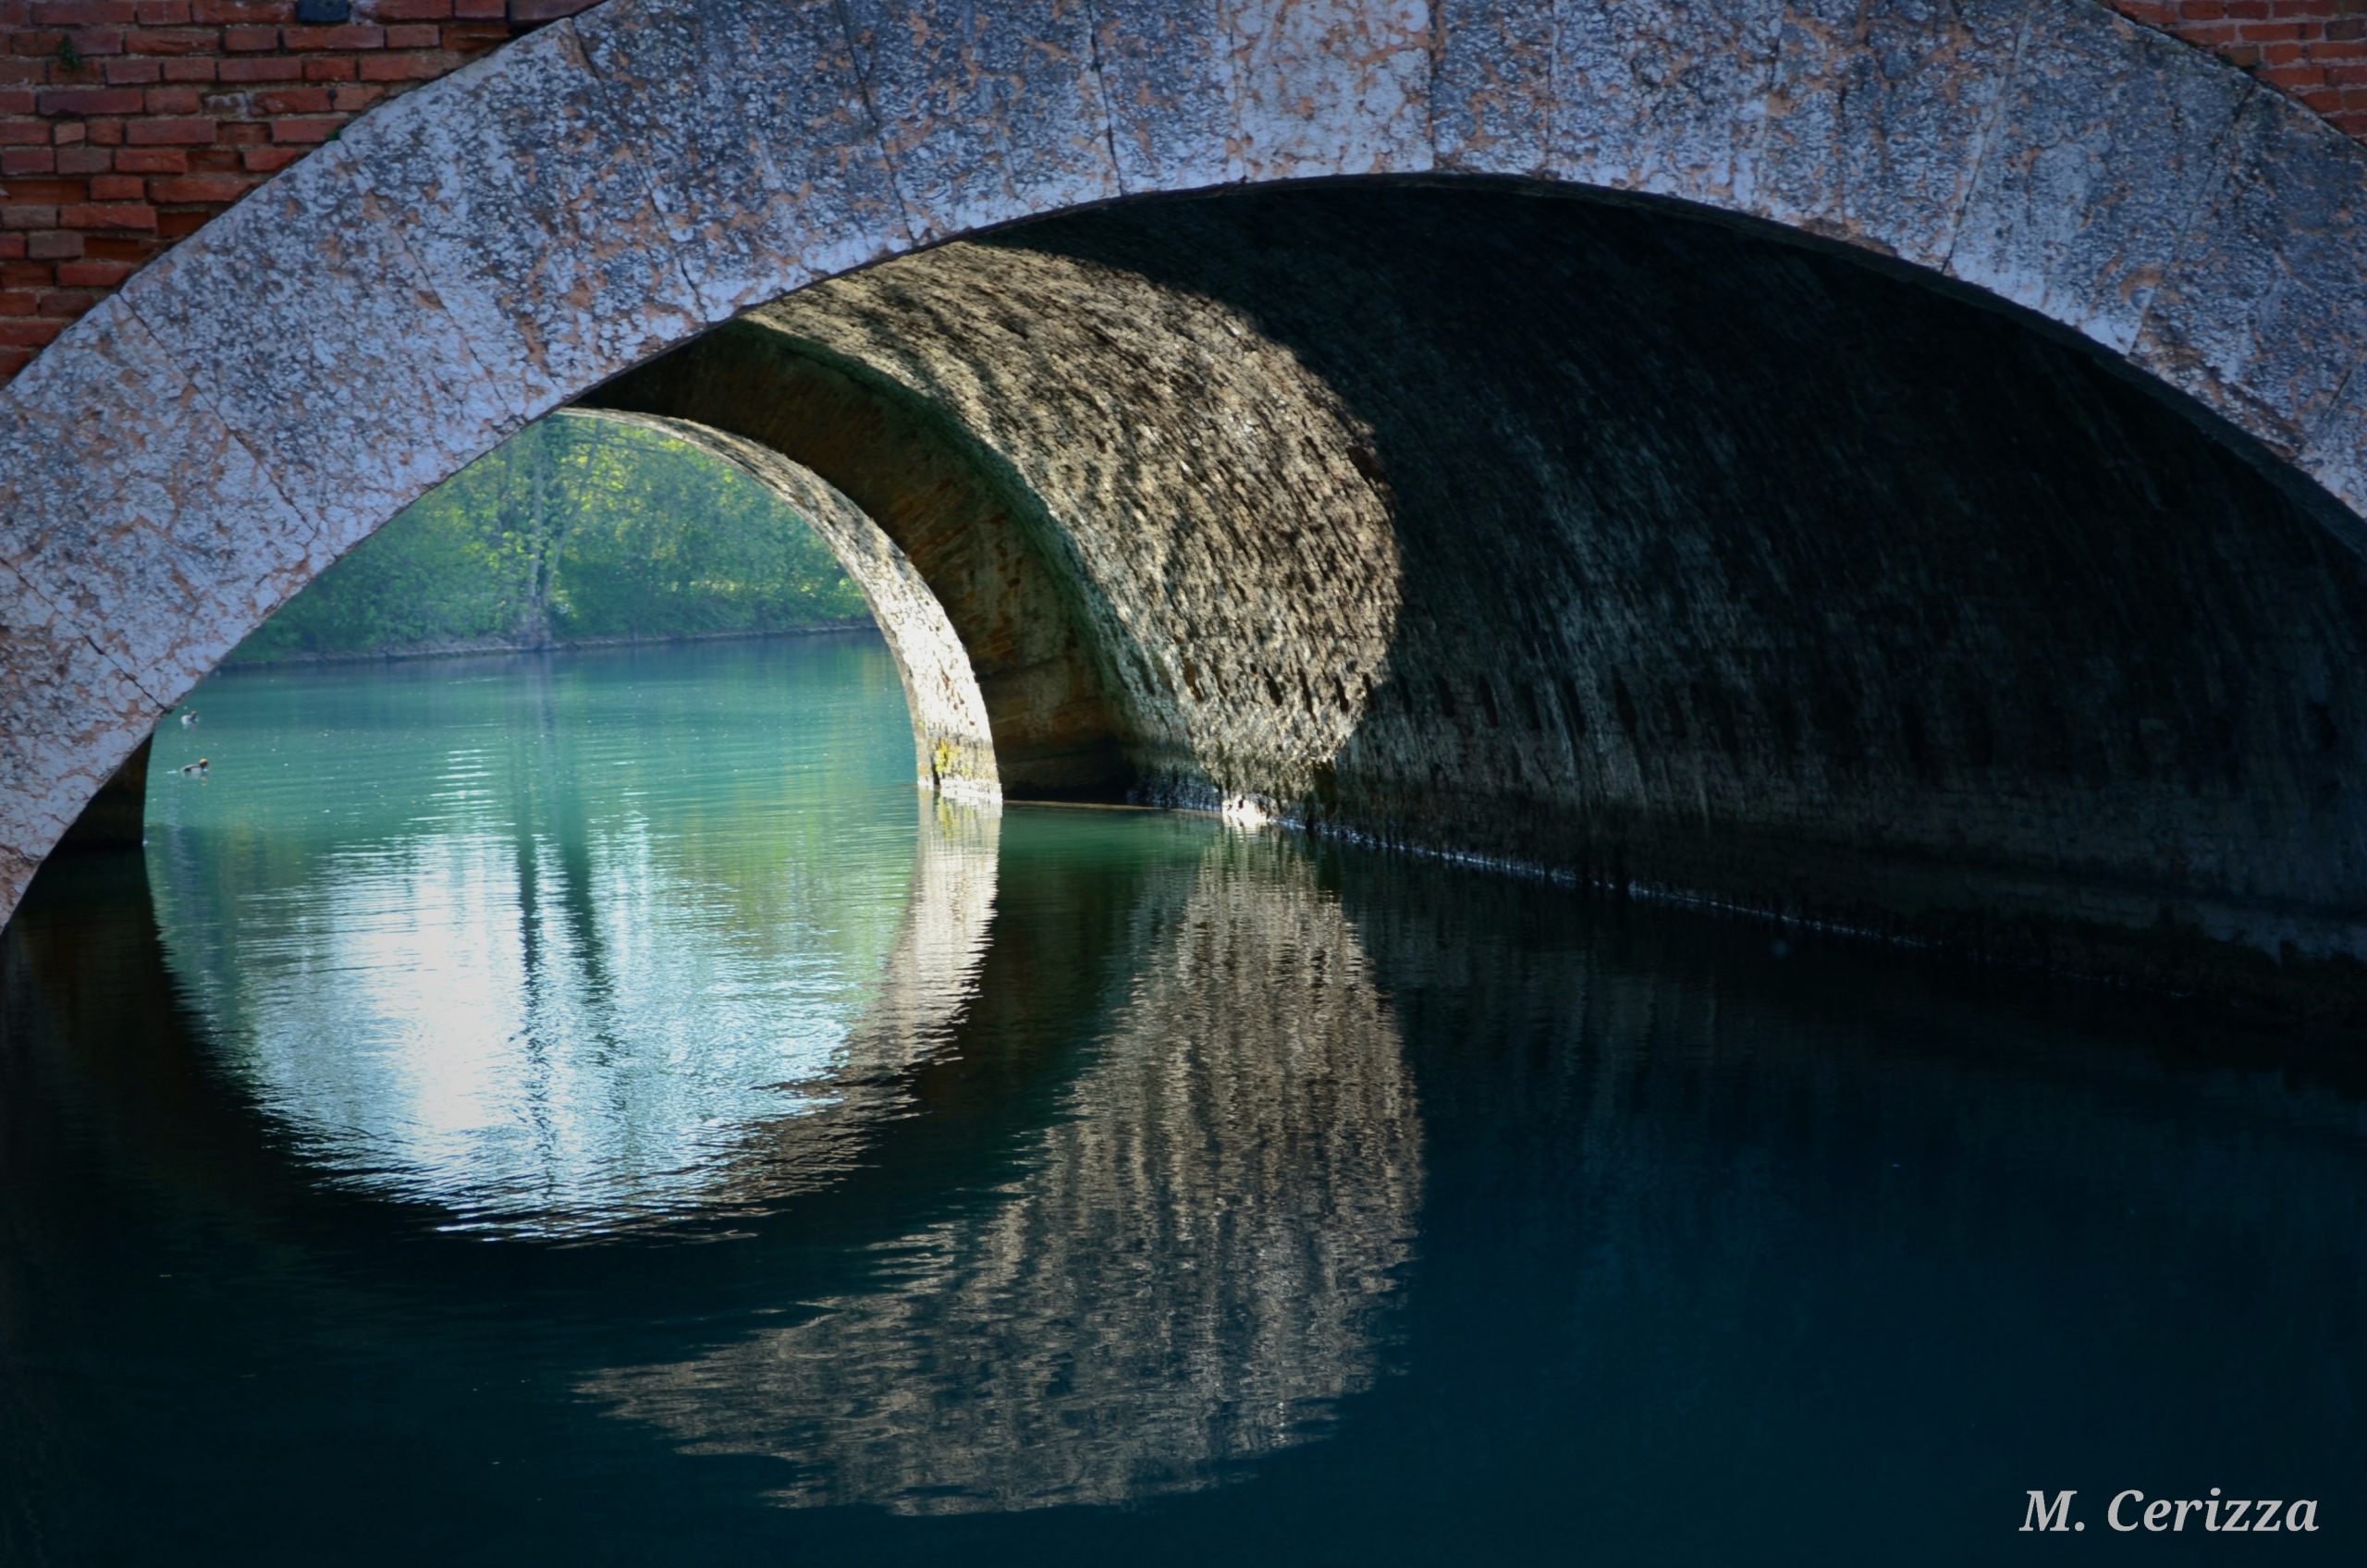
<point>1598,537</point>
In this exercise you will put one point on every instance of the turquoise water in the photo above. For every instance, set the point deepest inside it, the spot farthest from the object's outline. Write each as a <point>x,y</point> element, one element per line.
<point>596,1109</point>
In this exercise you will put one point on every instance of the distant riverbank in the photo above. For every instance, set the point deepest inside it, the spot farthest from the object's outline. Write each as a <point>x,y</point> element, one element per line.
<point>480,647</point>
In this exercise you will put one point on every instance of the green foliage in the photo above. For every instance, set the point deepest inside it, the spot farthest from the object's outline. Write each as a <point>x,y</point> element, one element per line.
<point>573,529</point>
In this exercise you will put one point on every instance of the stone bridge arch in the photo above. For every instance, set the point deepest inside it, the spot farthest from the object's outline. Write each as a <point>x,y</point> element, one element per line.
<point>555,218</point>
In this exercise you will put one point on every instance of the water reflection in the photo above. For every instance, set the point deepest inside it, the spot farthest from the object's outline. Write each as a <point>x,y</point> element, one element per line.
<point>1316,1204</point>
<point>480,940</point>
<point>1198,1262</point>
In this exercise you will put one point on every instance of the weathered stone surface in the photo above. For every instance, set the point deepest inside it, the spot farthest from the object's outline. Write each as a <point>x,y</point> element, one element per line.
<point>1176,454</point>
<point>1648,551</point>
<point>73,717</point>
<point>990,112</point>
<point>2263,315</point>
<point>314,335</point>
<point>1175,113</point>
<point>1878,115</point>
<point>1180,536</point>
<point>522,194</point>
<point>1331,87</point>
<point>951,734</point>
<point>1492,103</point>
<point>979,539</point>
<point>162,533</point>
<point>761,150</point>
<point>1665,96</point>
<point>2110,140</point>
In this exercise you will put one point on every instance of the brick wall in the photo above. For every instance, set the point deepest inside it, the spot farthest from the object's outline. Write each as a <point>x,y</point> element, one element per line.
<point>2316,50</point>
<point>125,124</point>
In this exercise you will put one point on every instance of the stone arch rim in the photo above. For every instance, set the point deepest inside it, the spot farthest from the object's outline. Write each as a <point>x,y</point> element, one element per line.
<point>496,245</point>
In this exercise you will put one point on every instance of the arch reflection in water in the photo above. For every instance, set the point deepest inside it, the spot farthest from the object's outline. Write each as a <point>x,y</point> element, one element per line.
<point>474,941</point>
<point>1200,1259</point>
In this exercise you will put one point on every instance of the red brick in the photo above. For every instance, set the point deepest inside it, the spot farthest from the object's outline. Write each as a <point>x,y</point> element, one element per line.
<point>353,100</point>
<point>270,160</point>
<point>259,68</point>
<point>422,67</point>
<point>64,306</point>
<point>178,42</point>
<point>414,36</point>
<point>196,188</point>
<point>243,134</point>
<point>546,11</point>
<point>190,70</point>
<point>170,133</point>
<point>353,35</point>
<point>307,131</point>
<point>12,246</point>
<point>219,11</point>
<point>182,224</point>
<point>482,10</point>
<point>132,71</point>
<point>408,11</point>
<point>162,13</point>
<point>107,215</point>
<point>51,191</point>
<point>23,133</point>
<point>81,12</point>
<point>85,160</point>
<point>173,99</point>
<point>19,302</point>
<point>249,39</point>
<point>18,274</point>
<point>94,274</point>
<point>117,188</point>
<point>17,161</point>
<point>118,247</point>
<point>319,67</point>
<point>292,101</point>
<point>53,246</point>
<point>30,215</point>
<point>91,101</point>
<point>30,333</point>
<point>151,160</point>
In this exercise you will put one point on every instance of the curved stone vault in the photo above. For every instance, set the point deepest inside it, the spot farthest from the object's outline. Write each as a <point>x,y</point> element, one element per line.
<point>1750,558</point>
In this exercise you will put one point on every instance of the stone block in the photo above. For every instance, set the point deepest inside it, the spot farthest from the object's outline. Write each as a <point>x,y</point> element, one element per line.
<point>762,154</point>
<point>2264,314</point>
<point>520,189</point>
<point>312,334</point>
<point>73,717</point>
<point>139,515</point>
<point>1331,87</point>
<point>1877,115</point>
<point>1492,106</point>
<point>2111,138</point>
<point>1665,96</point>
<point>991,113</point>
<point>1175,113</point>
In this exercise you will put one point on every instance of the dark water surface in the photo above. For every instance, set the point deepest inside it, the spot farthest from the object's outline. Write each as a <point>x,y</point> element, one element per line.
<point>594,1110</point>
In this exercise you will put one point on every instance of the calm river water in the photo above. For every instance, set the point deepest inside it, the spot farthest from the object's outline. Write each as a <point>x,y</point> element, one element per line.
<point>594,1110</point>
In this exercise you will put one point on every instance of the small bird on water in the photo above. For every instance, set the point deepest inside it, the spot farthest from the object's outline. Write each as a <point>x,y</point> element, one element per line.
<point>196,769</point>
<point>187,719</point>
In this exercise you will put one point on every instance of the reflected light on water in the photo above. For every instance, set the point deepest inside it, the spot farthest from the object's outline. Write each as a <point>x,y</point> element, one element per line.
<point>1197,1262</point>
<point>515,960</point>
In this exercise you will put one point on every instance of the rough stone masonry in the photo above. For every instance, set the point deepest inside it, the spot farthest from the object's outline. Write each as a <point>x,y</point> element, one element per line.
<point>1897,464</point>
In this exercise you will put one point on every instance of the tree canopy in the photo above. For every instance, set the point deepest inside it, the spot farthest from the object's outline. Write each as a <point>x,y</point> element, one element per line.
<point>572,530</point>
